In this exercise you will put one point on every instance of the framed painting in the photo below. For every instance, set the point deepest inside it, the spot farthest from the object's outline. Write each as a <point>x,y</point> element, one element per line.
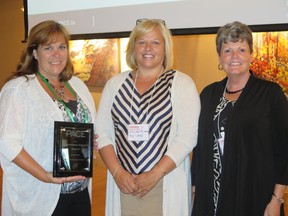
<point>95,61</point>
<point>270,57</point>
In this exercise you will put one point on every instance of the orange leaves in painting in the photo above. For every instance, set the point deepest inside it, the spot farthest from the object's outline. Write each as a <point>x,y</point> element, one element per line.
<point>270,57</point>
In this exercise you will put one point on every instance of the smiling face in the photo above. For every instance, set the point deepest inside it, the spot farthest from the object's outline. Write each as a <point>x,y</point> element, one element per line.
<point>150,50</point>
<point>235,57</point>
<point>52,57</point>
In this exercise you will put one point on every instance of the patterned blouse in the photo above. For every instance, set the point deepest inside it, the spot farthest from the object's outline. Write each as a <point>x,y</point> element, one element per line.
<point>154,108</point>
<point>222,112</point>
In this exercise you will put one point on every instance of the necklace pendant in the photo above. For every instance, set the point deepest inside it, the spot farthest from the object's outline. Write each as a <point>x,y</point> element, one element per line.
<point>65,98</point>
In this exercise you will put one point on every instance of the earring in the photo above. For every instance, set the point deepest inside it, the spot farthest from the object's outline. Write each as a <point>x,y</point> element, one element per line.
<point>34,54</point>
<point>220,68</point>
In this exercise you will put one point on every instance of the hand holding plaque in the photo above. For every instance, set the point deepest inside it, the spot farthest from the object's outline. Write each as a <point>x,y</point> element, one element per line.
<point>73,149</point>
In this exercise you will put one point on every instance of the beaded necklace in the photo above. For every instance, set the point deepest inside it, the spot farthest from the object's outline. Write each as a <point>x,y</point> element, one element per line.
<point>233,92</point>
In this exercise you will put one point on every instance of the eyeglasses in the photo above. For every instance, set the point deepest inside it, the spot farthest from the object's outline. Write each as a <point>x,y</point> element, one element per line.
<point>144,19</point>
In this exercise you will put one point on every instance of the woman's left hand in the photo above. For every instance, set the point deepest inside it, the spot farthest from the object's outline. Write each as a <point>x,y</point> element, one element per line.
<point>273,208</point>
<point>147,181</point>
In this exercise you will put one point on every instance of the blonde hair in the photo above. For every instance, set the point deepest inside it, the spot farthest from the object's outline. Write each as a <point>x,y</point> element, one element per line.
<point>143,28</point>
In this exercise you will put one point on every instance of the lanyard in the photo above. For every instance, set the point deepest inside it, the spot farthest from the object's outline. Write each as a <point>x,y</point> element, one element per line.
<point>131,100</point>
<point>69,112</point>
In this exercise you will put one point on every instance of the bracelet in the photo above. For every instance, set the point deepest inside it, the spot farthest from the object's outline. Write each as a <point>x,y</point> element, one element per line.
<point>116,170</point>
<point>163,171</point>
<point>281,200</point>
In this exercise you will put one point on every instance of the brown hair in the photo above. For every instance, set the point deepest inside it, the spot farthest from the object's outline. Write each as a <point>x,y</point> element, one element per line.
<point>43,33</point>
<point>233,32</point>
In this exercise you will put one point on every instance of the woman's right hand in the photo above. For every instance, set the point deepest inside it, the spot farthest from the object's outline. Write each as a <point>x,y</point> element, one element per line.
<point>95,143</point>
<point>61,180</point>
<point>126,182</point>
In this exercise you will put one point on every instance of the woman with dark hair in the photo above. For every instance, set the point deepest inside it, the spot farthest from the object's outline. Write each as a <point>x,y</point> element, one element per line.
<point>240,163</point>
<point>43,90</point>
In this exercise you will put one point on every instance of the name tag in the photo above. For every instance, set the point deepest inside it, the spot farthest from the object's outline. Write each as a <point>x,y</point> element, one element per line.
<point>138,132</point>
<point>221,142</point>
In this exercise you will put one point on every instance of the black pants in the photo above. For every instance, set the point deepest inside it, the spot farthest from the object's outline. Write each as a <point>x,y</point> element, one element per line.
<point>76,204</point>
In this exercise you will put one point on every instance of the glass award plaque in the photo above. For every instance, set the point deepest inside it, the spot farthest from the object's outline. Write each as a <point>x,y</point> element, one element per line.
<point>73,149</point>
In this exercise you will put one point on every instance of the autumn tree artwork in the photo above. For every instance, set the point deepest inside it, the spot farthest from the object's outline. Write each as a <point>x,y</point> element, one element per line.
<point>95,61</point>
<point>270,57</point>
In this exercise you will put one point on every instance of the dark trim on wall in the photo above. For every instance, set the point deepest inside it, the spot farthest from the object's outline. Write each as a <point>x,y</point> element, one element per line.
<point>187,31</point>
<point>25,21</point>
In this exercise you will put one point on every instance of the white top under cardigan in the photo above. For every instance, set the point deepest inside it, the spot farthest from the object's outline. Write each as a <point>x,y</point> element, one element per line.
<point>27,115</point>
<point>182,139</point>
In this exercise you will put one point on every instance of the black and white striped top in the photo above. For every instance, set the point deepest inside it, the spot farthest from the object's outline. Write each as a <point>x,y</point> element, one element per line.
<point>154,108</point>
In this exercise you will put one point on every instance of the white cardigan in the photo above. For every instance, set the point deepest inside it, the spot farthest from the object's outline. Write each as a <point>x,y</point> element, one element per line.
<point>27,115</point>
<point>182,139</point>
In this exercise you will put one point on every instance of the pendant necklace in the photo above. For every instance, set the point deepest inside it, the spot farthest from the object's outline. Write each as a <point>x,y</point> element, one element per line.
<point>60,91</point>
<point>53,90</point>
